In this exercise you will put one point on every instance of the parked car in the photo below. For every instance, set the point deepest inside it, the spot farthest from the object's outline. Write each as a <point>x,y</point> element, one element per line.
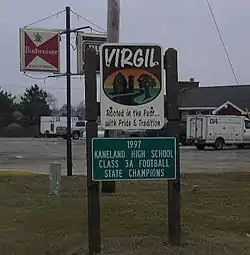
<point>78,130</point>
<point>52,126</point>
<point>132,133</point>
<point>183,134</point>
<point>100,132</point>
<point>163,133</point>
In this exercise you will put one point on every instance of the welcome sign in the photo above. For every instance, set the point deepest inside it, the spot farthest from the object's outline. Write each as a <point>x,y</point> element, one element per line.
<point>132,94</point>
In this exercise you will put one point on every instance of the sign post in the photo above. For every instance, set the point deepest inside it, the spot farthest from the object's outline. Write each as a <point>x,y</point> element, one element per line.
<point>68,83</point>
<point>172,110</point>
<point>132,95</point>
<point>91,132</point>
<point>121,159</point>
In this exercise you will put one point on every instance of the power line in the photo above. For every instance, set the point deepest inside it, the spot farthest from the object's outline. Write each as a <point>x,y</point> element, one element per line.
<point>48,76</point>
<point>78,16</point>
<point>90,22</point>
<point>45,18</point>
<point>48,17</point>
<point>222,41</point>
<point>44,88</point>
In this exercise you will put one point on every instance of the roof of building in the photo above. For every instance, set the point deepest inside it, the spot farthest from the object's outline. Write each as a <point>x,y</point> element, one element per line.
<point>215,96</point>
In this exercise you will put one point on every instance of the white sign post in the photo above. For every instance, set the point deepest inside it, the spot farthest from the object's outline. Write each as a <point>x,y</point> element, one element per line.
<point>132,93</point>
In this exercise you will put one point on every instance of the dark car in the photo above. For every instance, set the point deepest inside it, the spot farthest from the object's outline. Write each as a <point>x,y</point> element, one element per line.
<point>163,133</point>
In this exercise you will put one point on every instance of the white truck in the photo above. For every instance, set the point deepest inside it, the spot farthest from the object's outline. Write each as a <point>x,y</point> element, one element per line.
<point>49,124</point>
<point>80,130</point>
<point>218,130</point>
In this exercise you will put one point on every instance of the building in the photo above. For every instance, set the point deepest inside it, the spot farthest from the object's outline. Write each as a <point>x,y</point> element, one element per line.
<point>185,85</point>
<point>220,100</point>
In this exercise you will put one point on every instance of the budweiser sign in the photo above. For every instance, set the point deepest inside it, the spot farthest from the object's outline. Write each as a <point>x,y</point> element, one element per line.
<point>40,50</point>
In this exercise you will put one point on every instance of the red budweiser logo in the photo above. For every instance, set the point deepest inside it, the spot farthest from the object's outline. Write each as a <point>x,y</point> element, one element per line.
<point>47,51</point>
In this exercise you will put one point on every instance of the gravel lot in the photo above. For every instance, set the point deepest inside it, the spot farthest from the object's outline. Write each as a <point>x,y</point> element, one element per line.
<point>36,155</point>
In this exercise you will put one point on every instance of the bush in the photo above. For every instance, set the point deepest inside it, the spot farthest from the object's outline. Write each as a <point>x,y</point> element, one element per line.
<point>19,131</point>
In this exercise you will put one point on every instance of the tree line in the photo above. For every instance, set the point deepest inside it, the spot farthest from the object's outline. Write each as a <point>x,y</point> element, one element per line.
<point>32,104</point>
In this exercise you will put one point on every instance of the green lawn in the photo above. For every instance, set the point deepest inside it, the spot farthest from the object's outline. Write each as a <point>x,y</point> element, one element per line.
<point>215,218</point>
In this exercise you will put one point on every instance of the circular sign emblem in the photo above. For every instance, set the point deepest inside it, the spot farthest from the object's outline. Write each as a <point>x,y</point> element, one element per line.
<point>132,86</point>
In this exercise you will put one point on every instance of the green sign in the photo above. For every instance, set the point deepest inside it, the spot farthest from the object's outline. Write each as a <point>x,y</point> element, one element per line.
<point>133,159</point>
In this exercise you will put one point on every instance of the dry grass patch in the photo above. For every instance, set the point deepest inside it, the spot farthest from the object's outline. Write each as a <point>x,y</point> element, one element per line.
<point>215,218</point>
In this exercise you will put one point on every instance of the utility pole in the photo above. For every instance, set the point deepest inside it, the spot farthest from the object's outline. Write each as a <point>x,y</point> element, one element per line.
<point>68,76</point>
<point>113,32</point>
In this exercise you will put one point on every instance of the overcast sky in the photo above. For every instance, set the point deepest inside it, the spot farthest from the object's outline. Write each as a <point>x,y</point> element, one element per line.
<point>183,24</point>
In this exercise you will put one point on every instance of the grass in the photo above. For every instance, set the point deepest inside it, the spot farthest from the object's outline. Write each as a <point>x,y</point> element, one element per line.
<point>215,218</point>
<point>17,173</point>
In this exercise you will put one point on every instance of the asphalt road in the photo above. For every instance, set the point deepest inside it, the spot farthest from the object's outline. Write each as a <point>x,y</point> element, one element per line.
<point>34,154</point>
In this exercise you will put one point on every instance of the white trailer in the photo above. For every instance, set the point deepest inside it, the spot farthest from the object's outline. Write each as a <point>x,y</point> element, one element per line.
<point>218,130</point>
<point>49,124</point>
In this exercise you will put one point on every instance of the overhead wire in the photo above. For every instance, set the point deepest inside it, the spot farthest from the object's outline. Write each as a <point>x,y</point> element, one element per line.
<point>74,48</point>
<point>90,22</point>
<point>103,31</point>
<point>45,88</point>
<point>45,18</point>
<point>222,42</point>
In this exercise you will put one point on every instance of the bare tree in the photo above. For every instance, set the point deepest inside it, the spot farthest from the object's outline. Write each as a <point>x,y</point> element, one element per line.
<point>52,101</point>
<point>80,110</point>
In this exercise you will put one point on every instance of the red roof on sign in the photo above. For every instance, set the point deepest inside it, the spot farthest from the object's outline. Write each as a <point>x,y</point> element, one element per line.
<point>47,51</point>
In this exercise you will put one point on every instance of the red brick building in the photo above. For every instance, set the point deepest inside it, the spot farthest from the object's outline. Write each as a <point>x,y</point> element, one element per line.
<point>228,108</point>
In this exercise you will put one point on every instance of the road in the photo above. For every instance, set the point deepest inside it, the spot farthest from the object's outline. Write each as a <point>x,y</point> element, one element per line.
<point>34,154</point>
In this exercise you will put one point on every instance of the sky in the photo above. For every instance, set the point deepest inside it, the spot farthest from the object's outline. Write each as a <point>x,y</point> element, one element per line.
<point>186,25</point>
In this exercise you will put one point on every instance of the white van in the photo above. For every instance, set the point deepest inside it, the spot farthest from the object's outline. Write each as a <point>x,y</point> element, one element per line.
<point>49,124</point>
<point>218,130</point>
